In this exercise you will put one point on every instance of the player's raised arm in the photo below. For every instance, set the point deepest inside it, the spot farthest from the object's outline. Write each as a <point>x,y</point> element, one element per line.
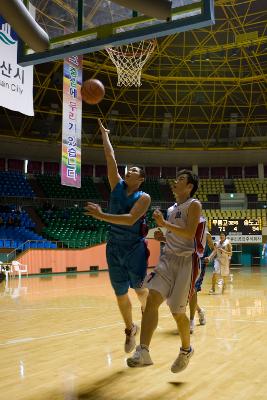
<point>113,174</point>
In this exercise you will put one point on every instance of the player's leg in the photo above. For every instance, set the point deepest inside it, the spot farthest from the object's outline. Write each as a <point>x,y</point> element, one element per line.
<point>150,317</point>
<point>125,307</point>
<point>136,264</point>
<point>185,269</point>
<point>141,357</point>
<point>158,290</point>
<point>182,322</point>
<point>120,282</point>
<point>193,303</point>
<point>198,287</point>
<point>224,282</point>
<point>214,279</point>
<point>186,351</point>
<point>201,315</point>
<point>225,271</point>
<point>193,308</point>
<point>142,297</point>
<point>215,276</point>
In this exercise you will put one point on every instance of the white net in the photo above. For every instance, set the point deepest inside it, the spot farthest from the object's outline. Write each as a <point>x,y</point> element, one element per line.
<point>129,60</point>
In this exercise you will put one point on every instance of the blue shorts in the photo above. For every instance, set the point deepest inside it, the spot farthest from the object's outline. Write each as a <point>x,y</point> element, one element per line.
<point>127,262</point>
<point>199,281</point>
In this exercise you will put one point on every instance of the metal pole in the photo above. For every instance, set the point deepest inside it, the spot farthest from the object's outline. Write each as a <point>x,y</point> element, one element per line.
<point>80,15</point>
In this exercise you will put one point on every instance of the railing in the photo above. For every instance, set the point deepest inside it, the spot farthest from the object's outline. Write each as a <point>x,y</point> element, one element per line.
<point>69,203</point>
<point>37,244</point>
<point>257,204</point>
<point>60,203</point>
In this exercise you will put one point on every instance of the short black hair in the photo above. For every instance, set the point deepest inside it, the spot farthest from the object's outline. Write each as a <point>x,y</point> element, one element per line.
<point>142,172</point>
<point>191,178</point>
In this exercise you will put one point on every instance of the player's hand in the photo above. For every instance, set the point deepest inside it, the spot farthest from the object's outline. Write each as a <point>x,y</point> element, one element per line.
<point>102,128</point>
<point>206,260</point>
<point>158,217</point>
<point>159,235</point>
<point>92,209</point>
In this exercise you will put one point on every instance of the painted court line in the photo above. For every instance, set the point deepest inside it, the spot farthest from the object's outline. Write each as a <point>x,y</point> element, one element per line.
<point>78,331</point>
<point>50,308</point>
<point>54,335</point>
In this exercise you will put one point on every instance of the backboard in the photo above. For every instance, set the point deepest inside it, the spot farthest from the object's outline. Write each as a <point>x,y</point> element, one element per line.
<point>83,26</point>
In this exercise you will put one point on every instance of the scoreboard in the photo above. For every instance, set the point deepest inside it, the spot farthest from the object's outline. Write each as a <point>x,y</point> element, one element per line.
<point>247,230</point>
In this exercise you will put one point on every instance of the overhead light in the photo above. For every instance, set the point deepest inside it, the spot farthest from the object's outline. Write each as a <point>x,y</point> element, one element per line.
<point>207,57</point>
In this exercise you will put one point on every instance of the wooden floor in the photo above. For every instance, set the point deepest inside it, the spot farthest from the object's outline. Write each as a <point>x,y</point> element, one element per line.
<point>61,337</point>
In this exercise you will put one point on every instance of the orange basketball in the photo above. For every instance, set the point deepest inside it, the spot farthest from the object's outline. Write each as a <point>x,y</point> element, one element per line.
<point>92,91</point>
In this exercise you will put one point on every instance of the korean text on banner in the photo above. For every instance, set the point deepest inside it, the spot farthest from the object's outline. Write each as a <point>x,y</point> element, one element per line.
<point>16,82</point>
<point>71,122</point>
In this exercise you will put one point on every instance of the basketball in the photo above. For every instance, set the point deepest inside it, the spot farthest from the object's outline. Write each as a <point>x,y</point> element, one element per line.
<point>92,91</point>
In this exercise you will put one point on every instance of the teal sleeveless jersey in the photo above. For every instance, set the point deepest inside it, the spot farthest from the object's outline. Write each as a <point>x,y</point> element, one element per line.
<point>121,203</point>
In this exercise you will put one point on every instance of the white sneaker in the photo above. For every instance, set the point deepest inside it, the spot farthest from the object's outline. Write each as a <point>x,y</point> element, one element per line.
<point>141,358</point>
<point>202,317</point>
<point>192,326</point>
<point>130,339</point>
<point>212,291</point>
<point>182,360</point>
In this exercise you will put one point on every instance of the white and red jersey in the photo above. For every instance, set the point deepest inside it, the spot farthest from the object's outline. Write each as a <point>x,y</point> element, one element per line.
<point>221,256</point>
<point>177,215</point>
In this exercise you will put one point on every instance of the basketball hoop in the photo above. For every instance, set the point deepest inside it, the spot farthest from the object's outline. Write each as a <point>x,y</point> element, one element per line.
<point>129,60</point>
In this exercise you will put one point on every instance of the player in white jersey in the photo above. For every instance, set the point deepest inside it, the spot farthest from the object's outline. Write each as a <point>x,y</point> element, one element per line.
<point>221,254</point>
<point>174,277</point>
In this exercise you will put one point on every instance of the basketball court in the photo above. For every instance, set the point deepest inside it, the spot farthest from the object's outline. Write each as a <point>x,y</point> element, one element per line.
<point>63,339</point>
<point>62,336</point>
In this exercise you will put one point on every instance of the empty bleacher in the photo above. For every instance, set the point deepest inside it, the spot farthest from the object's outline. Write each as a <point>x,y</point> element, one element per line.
<point>52,188</point>
<point>14,184</point>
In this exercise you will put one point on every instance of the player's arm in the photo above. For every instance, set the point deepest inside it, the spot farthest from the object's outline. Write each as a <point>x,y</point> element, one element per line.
<point>212,255</point>
<point>137,211</point>
<point>210,241</point>
<point>227,250</point>
<point>113,174</point>
<point>190,229</point>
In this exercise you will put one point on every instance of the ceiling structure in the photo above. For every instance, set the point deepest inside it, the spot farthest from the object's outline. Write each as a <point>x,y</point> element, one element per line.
<point>204,88</point>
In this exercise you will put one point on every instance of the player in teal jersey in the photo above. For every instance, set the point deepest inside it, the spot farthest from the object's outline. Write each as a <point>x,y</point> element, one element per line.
<point>127,253</point>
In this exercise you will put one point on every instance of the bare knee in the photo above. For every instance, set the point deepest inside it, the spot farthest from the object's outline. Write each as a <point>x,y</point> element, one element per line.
<point>154,299</point>
<point>141,293</point>
<point>179,316</point>
<point>123,298</point>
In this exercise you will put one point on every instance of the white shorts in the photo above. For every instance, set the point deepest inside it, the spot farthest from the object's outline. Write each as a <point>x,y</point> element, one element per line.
<point>172,278</point>
<point>222,268</point>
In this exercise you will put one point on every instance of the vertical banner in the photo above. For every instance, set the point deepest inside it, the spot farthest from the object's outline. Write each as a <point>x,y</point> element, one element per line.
<point>16,82</point>
<point>71,122</point>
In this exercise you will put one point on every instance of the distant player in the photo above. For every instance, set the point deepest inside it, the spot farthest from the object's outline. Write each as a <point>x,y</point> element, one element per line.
<point>264,250</point>
<point>127,253</point>
<point>222,255</point>
<point>174,277</point>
